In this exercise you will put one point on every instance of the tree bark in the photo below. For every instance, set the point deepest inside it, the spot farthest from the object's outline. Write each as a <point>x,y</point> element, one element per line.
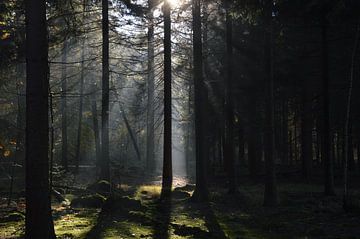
<point>306,132</point>
<point>38,222</point>
<point>81,100</point>
<point>105,157</point>
<point>96,132</point>
<point>229,111</point>
<point>167,176</point>
<point>64,142</point>
<point>150,154</point>
<point>201,192</point>
<point>325,153</point>
<point>348,141</point>
<point>270,195</point>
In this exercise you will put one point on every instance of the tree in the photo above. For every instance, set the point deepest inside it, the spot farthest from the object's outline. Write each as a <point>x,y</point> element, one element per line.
<point>325,153</point>
<point>105,157</point>
<point>150,87</point>
<point>64,122</point>
<point>270,195</point>
<point>81,99</point>
<point>347,117</point>
<point>38,222</point>
<point>229,106</point>
<point>167,160</point>
<point>201,192</point>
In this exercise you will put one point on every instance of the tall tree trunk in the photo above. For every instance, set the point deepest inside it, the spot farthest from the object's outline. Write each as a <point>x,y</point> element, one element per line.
<point>229,106</point>
<point>167,176</point>
<point>81,100</point>
<point>150,154</point>
<point>188,138</point>
<point>38,221</point>
<point>64,142</point>
<point>306,132</point>
<point>347,117</point>
<point>201,192</point>
<point>96,133</point>
<point>285,136</point>
<point>241,144</point>
<point>105,157</point>
<point>325,153</point>
<point>270,195</point>
<point>253,137</point>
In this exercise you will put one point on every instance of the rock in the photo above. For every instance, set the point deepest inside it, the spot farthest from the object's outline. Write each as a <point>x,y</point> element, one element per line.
<point>13,217</point>
<point>187,187</point>
<point>122,203</point>
<point>90,201</point>
<point>180,195</point>
<point>101,187</point>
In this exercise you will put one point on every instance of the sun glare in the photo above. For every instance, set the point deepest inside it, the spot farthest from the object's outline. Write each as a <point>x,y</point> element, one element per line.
<point>174,3</point>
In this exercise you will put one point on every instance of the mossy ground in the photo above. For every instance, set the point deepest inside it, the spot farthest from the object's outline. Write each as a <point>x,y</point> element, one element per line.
<point>303,213</point>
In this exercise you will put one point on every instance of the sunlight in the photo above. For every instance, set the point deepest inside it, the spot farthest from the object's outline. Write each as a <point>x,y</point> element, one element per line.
<point>175,3</point>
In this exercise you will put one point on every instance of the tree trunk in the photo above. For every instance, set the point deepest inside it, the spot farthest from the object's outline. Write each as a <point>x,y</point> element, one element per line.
<point>347,130</point>
<point>306,132</point>
<point>150,154</point>
<point>64,142</point>
<point>38,222</point>
<point>325,153</point>
<point>167,160</point>
<point>96,133</point>
<point>253,137</point>
<point>241,144</point>
<point>81,100</point>
<point>229,111</point>
<point>201,192</point>
<point>270,195</point>
<point>105,157</point>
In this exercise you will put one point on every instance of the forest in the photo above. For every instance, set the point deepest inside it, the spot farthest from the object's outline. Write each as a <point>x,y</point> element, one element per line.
<point>174,119</point>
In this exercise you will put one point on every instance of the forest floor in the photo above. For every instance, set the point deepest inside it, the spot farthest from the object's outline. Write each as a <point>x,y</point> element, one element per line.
<point>137,212</point>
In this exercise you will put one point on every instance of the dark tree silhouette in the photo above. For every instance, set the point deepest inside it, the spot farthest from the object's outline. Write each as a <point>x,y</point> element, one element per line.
<point>326,145</point>
<point>270,195</point>
<point>167,161</point>
<point>201,191</point>
<point>38,223</point>
<point>105,158</point>
<point>229,111</point>
<point>64,121</point>
<point>150,157</point>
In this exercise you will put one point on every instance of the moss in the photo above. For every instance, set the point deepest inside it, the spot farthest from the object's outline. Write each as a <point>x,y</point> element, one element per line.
<point>13,217</point>
<point>148,192</point>
<point>12,229</point>
<point>90,201</point>
<point>122,203</point>
<point>102,187</point>
<point>76,225</point>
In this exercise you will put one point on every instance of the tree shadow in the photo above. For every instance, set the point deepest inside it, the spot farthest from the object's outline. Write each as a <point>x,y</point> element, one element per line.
<point>211,222</point>
<point>119,216</point>
<point>161,215</point>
